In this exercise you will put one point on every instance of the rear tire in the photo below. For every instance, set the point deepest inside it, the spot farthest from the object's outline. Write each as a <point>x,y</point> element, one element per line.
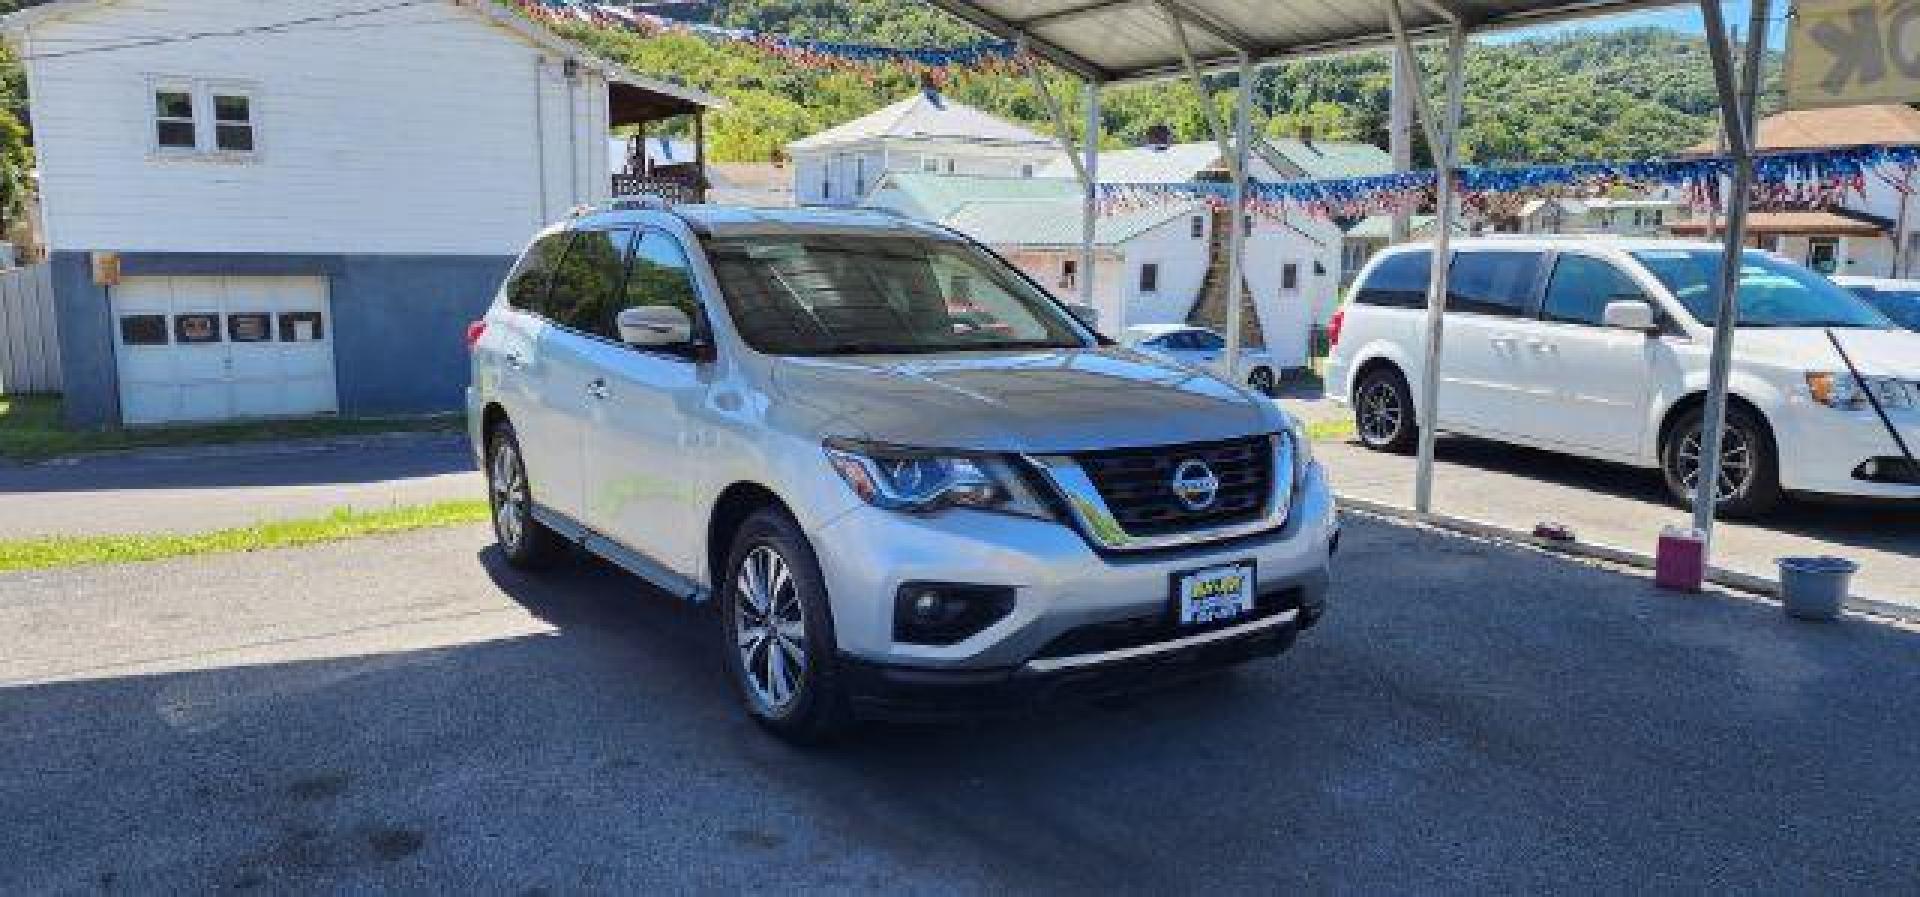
<point>1750,484</point>
<point>777,633</point>
<point>525,542</point>
<point>1383,412</point>
<point>1263,382</point>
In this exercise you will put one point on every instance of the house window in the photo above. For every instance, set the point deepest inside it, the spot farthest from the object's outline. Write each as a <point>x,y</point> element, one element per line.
<point>1026,170</point>
<point>1290,276</point>
<point>930,164</point>
<point>859,176</point>
<point>1246,225</point>
<point>949,166</point>
<point>174,127</point>
<point>233,122</point>
<point>1069,273</point>
<point>1823,254</point>
<point>1197,227</point>
<point>1659,217</point>
<point>1150,278</point>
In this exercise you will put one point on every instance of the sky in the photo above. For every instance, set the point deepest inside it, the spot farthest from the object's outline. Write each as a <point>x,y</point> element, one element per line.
<point>1683,18</point>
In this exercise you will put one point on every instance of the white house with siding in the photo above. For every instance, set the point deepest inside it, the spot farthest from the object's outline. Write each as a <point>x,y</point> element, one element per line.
<point>292,208</point>
<point>926,133</point>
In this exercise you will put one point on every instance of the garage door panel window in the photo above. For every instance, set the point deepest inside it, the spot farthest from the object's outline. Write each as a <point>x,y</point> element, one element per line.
<point>302,327</point>
<point>1498,284</point>
<point>1581,287</point>
<point>250,327</point>
<point>196,329</point>
<point>143,330</point>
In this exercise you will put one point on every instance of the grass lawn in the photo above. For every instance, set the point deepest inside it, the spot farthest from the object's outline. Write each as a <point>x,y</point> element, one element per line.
<point>30,430</point>
<point>1330,430</point>
<point>70,551</point>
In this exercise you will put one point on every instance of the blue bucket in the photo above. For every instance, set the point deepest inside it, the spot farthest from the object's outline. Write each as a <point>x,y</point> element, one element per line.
<point>1814,588</point>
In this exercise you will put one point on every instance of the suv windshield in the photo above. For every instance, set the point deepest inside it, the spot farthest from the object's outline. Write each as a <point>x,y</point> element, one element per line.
<point>1773,293</point>
<point>1903,306</point>
<point>843,294</point>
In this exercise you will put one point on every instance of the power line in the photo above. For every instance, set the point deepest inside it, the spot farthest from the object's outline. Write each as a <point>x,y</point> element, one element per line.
<point>287,25</point>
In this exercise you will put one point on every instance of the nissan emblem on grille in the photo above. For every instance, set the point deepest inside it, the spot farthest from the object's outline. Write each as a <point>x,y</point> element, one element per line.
<point>1195,485</point>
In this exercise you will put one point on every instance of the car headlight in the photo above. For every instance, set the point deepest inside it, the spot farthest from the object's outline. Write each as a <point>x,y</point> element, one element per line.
<point>1302,447</point>
<point>1844,392</point>
<point>915,480</point>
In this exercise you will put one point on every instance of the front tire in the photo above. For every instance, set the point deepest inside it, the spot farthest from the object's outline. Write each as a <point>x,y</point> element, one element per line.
<point>1383,412</point>
<point>525,542</point>
<point>778,632</point>
<point>1750,474</point>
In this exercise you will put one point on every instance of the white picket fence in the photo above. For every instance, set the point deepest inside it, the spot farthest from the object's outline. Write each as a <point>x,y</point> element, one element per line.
<point>29,343</point>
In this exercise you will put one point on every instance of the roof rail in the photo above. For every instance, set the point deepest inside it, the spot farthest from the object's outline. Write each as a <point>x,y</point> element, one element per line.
<point>637,203</point>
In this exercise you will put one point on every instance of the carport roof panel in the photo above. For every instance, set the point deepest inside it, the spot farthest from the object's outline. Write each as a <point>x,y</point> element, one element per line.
<point>1130,40</point>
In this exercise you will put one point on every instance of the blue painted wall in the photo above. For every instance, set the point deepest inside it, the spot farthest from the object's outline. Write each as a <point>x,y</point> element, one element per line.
<point>399,324</point>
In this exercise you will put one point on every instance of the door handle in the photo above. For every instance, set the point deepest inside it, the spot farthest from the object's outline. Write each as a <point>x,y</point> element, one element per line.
<point>598,389</point>
<point>1502,339</point>
<point>1542,346</point>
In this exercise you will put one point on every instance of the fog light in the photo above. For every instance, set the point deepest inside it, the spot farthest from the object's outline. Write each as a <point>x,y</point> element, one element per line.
<point>946,614</point>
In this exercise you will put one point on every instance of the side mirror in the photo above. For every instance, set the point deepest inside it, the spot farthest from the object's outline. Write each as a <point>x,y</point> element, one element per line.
<point>1630,314</point>
<point>654,326</point>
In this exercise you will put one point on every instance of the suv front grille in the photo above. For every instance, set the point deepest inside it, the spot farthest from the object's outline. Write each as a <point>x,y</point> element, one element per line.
<point>1137,484</point>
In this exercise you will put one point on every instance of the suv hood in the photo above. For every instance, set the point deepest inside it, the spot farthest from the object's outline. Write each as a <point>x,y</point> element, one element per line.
<point>1885,353</point>
<point>1055,400</point>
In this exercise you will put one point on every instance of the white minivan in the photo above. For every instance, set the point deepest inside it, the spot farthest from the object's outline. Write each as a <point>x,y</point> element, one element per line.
<point>1600,348</point>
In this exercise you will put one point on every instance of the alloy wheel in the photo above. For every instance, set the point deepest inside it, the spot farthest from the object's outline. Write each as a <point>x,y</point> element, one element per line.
<point>1380,412</point>
<point>770,628</point>
<point>509,488</point>
<point>1736,463</point>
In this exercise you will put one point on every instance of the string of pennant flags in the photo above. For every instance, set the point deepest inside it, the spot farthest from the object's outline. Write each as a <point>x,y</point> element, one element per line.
<point>937,63</point>
<point>1807,178</point>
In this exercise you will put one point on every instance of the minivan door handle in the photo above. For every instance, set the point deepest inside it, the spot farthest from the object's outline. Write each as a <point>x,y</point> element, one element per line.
<point>598,389</point>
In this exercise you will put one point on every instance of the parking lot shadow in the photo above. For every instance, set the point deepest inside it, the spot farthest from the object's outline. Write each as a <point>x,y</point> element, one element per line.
<point>337,461</point>
<point>1470,717</point>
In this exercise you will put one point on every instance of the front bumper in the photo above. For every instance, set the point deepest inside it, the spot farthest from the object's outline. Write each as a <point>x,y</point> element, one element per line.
<point>1063,589</point>
<point>1821,449</point>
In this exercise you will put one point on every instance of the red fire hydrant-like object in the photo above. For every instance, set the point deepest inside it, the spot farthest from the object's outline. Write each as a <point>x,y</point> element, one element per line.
<point>1681,564</point>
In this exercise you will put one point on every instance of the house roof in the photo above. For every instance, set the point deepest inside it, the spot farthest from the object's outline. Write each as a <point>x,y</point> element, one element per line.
<point>939,195</point>
<point>1174,164</point>
<point>634,97</point>
<point>1886,125</point>
<point>925,115</point>
<point>1054,222</point>
<point>1322,159</point>
<point>1798,224</point>
<point>1380,227</point>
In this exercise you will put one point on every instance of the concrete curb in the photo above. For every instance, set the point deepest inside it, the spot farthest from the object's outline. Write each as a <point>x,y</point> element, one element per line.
<point>1731,579</point>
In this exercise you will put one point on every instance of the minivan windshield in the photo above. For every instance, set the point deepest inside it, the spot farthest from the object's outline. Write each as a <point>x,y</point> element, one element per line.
<point>847,294</point>
<point>1773,292</point>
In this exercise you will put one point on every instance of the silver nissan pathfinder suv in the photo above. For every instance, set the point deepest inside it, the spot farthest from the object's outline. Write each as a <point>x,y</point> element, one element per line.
<point>912,482</point>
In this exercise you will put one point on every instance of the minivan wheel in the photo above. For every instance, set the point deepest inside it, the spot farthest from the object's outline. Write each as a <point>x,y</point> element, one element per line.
<point>1262,381</point>
<point>524,541</point>
<point>1750,473</point>
<point>778,632</point>
<point>1383,412</point>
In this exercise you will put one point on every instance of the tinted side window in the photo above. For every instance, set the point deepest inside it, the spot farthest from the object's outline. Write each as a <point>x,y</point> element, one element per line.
<point>587,280</point>
<point>1399,281</point>
<point>527,285</point>
<point>1493,283</point>
<point>1581,287</point>
<point>660,275</point>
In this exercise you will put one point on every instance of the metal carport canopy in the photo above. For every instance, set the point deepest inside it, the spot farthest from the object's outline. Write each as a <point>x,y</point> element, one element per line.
<point>1112,41</point>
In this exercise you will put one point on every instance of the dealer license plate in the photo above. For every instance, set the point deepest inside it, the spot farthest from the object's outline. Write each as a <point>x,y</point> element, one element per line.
<point>1215,594</point>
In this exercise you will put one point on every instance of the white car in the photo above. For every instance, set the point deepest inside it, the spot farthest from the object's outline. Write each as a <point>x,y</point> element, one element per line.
<point>1897,299</point>
<point>1601,348</point>
<point>1198,347</point>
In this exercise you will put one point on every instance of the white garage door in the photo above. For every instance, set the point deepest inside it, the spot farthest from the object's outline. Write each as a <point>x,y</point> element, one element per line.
<point>219,348</point>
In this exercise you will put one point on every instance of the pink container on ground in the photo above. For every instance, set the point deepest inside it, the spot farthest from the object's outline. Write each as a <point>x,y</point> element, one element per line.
<point>1681,563</point>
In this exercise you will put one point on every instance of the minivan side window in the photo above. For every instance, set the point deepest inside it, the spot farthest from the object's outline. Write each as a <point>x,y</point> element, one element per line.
<point>1399,281</point>
<point>587,280</point>
<point>527,284</point>
<point>1493,283</point>
<point>660,275</point>
<point>1582,286</point>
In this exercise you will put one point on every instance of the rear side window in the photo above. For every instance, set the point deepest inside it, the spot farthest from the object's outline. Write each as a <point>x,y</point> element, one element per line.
<point>587,281</point>
<point>1581,287</point>
<point>1399,281</point>
<point>527,285</point>
<point>1493,283</point>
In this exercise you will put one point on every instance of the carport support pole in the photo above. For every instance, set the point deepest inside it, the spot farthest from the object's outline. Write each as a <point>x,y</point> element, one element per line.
<point>1090,213</point>
<point>1737,114</point>
<point>1443,139</point>
<point>1237,287</point>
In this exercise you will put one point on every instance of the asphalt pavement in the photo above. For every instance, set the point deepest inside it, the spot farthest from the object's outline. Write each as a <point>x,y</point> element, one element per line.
<point>405,714</point>
<point>201,488</point>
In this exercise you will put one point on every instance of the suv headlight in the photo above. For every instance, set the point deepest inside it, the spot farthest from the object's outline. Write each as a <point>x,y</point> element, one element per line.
<point>1844,392</point>
<point>916,480</point>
